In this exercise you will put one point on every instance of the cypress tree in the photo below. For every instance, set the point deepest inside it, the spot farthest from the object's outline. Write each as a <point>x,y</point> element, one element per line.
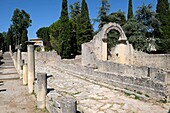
<point>130,10</point>
<point>163,14</point>
<point>64,36</point>
<point>24,38</point>
<point>85,33</point>
<point>102,14</point>
<point>9,37</point>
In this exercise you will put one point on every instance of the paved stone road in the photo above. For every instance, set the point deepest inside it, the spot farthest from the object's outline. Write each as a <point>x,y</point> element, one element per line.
<point>14,97</point>
<point>93,98</point>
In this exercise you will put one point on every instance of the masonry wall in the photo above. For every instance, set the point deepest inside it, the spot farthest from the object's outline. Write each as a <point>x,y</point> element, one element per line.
<point>155,74</point>
<point>123,76</point>
<point>152,60</point>
<point>155,89</point>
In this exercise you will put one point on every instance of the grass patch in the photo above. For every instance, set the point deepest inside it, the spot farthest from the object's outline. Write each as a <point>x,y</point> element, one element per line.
<point>137,97</point>
<point>138,92</point>
<point>127,94</point>
<point>163,101</point>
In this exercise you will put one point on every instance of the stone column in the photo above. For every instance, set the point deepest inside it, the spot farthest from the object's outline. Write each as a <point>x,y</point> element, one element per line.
<point>41,90</point>
<point>31,68</point>
<point>19,60</point>
<point>10,51</point>
<point>25,74</point>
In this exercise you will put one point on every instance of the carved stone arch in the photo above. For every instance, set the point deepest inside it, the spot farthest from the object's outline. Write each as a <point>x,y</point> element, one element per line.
<point>106,28</point>
<point>116,27</point>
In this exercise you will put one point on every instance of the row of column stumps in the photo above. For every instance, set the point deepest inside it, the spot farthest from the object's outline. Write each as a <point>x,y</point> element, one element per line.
<point>27,73</point>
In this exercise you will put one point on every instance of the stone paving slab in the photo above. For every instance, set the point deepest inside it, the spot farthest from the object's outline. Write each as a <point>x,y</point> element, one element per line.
<point>94,98</point>
<point>14,96</point>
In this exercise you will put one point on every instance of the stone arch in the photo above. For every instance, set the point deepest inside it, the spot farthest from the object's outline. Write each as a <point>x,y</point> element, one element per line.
<point>114,26</point>
<point>106,28</point>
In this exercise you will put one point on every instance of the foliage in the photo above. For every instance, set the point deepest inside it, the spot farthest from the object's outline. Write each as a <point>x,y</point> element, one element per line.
<point>113,36</point>
<point>130,10</point>
<point>24,38</point>
<point>10,39</point>
<point>75,11</point>
<point>64,48</point>
<point>142,28</point>
<point>117,17</point>
<point>38,49</point>
<point>20,22</point>
<point>1,41</point>
<point>43,33</point>
<point>74,25</point>
<point>163,14</point>
<point>84,32</point>
<point>102,13</point>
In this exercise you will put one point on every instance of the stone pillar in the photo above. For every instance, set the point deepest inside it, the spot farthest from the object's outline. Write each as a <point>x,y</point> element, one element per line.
<point>31,68</point>
<point>41,90</point>
<point>19,60</point>
<point>25,74</point>
<point>104,51</point>
<point>10,51</point>
<point>68,105</point>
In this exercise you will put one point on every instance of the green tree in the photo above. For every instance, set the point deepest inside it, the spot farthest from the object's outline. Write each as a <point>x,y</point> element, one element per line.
<point>54,30</point>
<point>163,14</point>
<point>24,38</point>
<point>9,38</point>
<point>130,10</point>
<point>84,28</point>
<point>43,33</point>
<point>20,22</point>
<point>102,13</point>
<point>115,17</point>
<point>143,27</point>
<point>1,41</point>
<point>64,39</point>
<point>74,15</point>
<point>75,11</point>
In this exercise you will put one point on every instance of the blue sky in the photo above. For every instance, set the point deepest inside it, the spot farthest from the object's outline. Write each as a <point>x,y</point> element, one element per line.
<point>44,12</point>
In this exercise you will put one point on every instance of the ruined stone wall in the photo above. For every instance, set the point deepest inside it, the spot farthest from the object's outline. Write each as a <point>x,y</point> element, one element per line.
<point>42,55</point>
<point>155,89</point>
<point>155,74</point>
<point>156,85</point>
<point>152,60</point>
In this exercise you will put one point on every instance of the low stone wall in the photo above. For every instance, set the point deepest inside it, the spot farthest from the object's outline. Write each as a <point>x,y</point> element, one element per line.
<point>151,81</point>
<point>125,70</point>
<point>156,90</point>
<point>152,60</point>
<point>47,55</point>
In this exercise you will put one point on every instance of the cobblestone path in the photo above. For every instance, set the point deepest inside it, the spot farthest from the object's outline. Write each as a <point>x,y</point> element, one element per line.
<point>94,98</point>
<point>14,97</point>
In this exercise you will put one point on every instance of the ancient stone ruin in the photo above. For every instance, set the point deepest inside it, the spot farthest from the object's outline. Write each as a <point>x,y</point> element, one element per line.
<point>128,68</point>
<point>88,82</point>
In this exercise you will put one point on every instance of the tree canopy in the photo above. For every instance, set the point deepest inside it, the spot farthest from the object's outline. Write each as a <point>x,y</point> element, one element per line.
<point>64,36</point>
<point>20,22</point>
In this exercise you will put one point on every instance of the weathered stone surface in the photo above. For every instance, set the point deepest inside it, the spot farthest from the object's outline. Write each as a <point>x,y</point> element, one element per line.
<point>57,103</point>
<point>31,68</point>
<point>68,84</point>
<point>41,90</point>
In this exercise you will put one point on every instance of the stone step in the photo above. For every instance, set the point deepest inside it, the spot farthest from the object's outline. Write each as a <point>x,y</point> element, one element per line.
<point>9,76</point>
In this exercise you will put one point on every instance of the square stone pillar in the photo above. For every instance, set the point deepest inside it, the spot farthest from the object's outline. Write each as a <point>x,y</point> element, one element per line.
<point>41,89</point>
